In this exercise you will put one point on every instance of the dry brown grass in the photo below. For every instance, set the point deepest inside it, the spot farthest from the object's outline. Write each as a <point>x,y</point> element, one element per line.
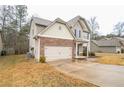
<point>16,70</point>
<point>109,58</point>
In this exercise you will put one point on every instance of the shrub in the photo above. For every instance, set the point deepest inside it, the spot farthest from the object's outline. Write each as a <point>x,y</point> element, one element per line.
<point>118,52</point>
<point>92,54</point>
<point>32,48</point>
<point>42,59</point>
<point>3,53</point>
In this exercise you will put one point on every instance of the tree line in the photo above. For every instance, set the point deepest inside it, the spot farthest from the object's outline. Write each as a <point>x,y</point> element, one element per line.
<point>14,28</point>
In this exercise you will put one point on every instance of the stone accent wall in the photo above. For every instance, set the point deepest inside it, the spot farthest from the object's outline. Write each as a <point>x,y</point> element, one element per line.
<point>45,41</point>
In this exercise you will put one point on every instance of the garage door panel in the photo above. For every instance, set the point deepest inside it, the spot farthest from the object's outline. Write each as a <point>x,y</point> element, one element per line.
<point>55,52</point>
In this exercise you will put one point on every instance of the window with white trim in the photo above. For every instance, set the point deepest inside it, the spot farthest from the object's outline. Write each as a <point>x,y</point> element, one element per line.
<point>77,33</point>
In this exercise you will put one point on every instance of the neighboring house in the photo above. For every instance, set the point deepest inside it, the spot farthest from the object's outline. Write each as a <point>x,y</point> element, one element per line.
<point>106,46</point>
<point>59,39</point>
<point>1,45</point>
<point>119,39</point>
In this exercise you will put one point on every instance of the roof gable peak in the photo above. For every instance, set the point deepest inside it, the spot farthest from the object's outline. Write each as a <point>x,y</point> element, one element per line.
<point>59,20</point>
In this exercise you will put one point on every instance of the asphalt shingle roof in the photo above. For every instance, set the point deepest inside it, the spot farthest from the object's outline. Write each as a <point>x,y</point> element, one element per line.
<point>73,21</point>
<point>59,20</point>
<point>41,21</point>
<point>46,23</point>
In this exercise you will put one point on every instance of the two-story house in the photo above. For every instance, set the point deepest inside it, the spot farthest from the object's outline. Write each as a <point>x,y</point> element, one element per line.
<point>81,31</point>
<point>59,39</point>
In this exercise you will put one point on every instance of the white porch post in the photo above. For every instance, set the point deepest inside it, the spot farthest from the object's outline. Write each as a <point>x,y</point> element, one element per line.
<point>76,49</point>
<point>88,47</point>
<point>82,49</point>
<point>89,42</point>
<point>87,50</point>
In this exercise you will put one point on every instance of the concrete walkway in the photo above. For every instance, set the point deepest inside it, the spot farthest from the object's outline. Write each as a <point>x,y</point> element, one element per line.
<point>98,74</point>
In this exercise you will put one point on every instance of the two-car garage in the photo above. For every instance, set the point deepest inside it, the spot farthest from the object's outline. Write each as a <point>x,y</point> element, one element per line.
<point>57,52</point>
<point>56,49</point>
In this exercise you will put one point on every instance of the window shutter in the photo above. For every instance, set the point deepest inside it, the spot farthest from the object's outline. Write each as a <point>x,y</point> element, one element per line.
<point>79,33</point>
<point>75,32</point>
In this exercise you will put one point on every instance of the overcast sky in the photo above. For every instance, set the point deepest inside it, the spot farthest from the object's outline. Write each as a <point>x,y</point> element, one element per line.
<point>108,12</point>
<point>107,16</point>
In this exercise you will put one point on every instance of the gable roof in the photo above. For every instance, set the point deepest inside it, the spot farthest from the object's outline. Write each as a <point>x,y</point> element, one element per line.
<point>41,21</point>
<point>74,20</point>
<point>60,20</point>
<point>48,23</point>
<point>57,20</point>
<point>106,43</point>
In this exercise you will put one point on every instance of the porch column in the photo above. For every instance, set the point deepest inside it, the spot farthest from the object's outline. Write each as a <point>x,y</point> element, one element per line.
<point>89,42</point>
<point>76,49</point>
<point>87,49</point>
<point>82,49</point>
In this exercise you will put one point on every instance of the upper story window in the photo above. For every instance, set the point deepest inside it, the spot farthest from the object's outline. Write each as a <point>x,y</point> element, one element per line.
<point>77,33</point>
<point>85,35</point>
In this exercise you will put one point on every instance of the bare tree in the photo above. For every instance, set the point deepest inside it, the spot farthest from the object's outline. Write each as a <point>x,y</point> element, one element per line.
<point>119,28</point>
<point>14,27</point>
<point>21,14</point>
<point>5,16</point>
<point>94,27</point>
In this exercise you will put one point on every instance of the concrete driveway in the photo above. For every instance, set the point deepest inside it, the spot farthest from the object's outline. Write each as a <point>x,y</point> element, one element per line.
<point>98,74</point>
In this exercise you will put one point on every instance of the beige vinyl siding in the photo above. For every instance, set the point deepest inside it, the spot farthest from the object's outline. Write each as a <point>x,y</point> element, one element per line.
<point>58,30</point>
<point>84,26</point>
<point>32,33</point>
<point>84,35</point>
<point>39,28</point>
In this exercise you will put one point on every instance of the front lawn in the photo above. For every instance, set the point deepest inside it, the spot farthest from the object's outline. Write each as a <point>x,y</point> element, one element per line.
<point>17,70</point>
<point>109,58</point>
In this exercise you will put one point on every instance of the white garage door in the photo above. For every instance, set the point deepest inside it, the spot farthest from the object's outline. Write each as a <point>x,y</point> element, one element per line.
<point>56,53</point>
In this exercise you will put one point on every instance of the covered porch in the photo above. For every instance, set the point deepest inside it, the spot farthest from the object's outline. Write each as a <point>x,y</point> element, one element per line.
<point>82,49</point>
